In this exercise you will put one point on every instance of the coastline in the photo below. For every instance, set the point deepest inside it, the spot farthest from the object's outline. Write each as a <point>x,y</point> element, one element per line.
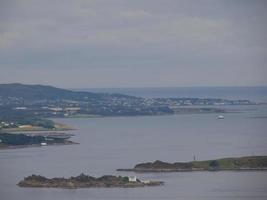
<point>189,170</point>
<point>85,181</point>
<point>58,127</point>
<point>247,163</point>
<point>35,137</point>
<point>6,147</point>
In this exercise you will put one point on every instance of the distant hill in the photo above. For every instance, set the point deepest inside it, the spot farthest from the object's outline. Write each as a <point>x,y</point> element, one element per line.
<point>30,101</point>
<point>41,92</point>
<point>236,163</point>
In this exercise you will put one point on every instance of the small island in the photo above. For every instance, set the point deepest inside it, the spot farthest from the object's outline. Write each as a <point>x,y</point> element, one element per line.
<point>15,140</point>
<point>84,181</point>
<point>239,164</point>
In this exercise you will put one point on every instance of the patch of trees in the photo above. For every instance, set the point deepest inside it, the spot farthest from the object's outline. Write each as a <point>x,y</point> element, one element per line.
<point>20,139</point>
<point>214,164</point>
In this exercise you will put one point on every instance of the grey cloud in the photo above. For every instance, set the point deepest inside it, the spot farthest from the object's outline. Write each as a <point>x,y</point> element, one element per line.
<point>133,39</point>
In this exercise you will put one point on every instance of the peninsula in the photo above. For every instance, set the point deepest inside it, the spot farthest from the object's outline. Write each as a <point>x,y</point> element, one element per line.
<point>239,164</point>
<point>31,105</point>
<point>84,181</point>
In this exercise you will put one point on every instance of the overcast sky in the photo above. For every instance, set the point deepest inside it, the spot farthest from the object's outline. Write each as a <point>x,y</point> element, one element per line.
<point>133,43</point>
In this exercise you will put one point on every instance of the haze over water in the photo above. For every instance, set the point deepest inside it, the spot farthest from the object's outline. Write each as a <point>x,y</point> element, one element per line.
<point>141,43</point>
<point>258,94</point>
<point>121,142</point>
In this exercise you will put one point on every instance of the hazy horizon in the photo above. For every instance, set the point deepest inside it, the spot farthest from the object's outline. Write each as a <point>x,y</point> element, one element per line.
<point>164,89</point>
<point>142,43</point>
<point>140,87</point>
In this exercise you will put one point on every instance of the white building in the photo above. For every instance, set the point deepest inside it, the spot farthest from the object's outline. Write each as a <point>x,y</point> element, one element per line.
<point>56,109</point>
<point>146,181</point>
<point>20,108</point>
<point>132,179</point>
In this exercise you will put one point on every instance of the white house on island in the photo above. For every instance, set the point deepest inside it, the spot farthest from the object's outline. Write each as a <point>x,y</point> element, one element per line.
<point>132,178</point>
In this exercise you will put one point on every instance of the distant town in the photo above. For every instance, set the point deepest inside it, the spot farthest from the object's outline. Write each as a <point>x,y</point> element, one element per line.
<point>26,106</point>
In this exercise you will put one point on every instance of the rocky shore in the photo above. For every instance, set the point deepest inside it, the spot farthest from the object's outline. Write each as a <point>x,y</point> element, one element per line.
<point>84,181</point>
<point>238,164</point>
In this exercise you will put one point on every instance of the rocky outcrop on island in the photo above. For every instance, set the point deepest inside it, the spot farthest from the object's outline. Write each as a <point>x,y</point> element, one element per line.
<point>241,164</point>
<point>84,181</point>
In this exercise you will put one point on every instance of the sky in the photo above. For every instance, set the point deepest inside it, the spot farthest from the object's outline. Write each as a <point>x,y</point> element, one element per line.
<point>140,43</point>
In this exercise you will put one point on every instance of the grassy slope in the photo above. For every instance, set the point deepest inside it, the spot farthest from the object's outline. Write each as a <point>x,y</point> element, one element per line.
<point>235,163</point>
<point>249,162</point>
<point>58,127</point>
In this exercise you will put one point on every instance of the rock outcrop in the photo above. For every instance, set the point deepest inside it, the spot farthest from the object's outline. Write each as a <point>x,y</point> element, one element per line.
<point>84,181</point>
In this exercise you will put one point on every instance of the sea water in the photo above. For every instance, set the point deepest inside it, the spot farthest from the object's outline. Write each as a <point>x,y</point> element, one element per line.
<point>121,142</point>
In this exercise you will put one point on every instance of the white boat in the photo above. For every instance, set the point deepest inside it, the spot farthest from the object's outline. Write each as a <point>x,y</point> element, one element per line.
<point>220,117</point>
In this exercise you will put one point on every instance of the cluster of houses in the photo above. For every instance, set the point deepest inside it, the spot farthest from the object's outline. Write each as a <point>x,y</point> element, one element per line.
<point>14,125</point>
<point>7,125</point>
<point>66,111</point>
<point>53,110</point>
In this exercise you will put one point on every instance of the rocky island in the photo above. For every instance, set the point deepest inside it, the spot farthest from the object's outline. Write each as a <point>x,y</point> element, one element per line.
<point>84,181</point>
<point>240,164</point>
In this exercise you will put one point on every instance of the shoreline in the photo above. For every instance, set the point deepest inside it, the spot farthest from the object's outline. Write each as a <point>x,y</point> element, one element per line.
<point>6,147</point>
<point>184,110</point>
<point>189,170</point>
<point>246,163</point>
<point>28,139</point>
<point>85,181</point>
<point>58,127</point>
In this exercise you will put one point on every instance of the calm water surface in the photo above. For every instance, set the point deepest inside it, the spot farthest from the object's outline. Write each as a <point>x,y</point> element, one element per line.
<point>110,143</point>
